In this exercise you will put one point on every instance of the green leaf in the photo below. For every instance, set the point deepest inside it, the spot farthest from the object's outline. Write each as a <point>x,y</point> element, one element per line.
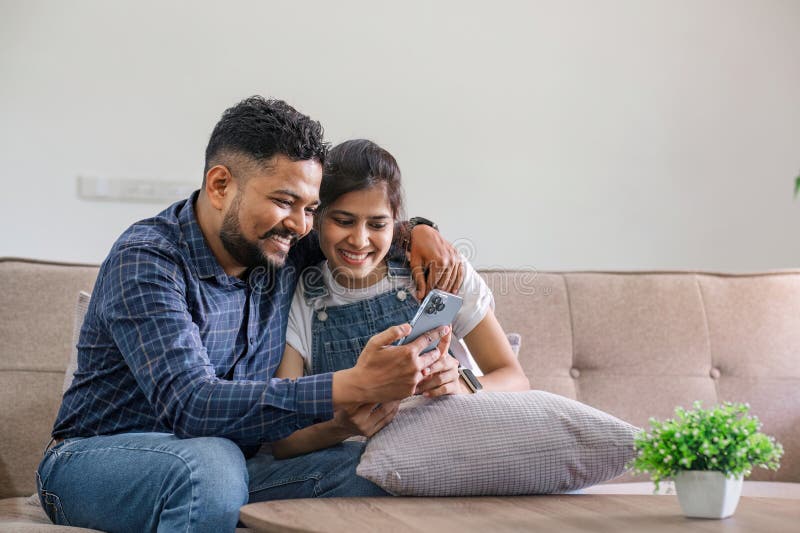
<point>796,186</point>
<point>723,438</point>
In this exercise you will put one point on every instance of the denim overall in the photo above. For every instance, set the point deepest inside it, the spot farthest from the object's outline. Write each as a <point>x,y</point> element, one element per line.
<point>339,333</point>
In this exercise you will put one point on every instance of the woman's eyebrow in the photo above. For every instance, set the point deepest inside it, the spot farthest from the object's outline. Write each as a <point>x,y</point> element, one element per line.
<point>353,215</point>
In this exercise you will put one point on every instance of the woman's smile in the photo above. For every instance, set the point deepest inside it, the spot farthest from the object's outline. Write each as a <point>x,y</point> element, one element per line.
<point>354,258</point>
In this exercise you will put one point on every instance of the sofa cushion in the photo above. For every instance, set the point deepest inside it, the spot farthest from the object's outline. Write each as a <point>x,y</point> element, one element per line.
<point>25,515</point>
<point>537,305</point>
<point>496,443</point>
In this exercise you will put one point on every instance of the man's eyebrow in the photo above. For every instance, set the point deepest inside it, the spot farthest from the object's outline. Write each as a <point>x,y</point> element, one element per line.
<point>293,194</point>
<point>349,214</point>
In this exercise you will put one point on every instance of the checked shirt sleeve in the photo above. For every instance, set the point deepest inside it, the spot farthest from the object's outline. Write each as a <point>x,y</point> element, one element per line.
<point>144,306</point>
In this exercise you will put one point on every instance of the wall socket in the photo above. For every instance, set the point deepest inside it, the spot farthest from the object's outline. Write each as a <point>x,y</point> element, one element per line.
<point>134,190</point>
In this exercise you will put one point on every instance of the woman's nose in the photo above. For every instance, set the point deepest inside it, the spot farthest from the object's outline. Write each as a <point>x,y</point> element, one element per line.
<point>359,237</point>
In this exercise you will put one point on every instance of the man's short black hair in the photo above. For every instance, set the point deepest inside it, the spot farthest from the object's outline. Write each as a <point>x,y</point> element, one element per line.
<point>262,128</point>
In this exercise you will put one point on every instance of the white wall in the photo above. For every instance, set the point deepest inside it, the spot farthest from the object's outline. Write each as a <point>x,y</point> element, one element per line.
<point>554,134</point>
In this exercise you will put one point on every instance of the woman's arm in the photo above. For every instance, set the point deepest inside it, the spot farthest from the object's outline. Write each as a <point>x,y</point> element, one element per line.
<point>292,364</point>
<point>489,346</point>
<point>363,420</point>
<point>310,438</point>
<point>359,420</point>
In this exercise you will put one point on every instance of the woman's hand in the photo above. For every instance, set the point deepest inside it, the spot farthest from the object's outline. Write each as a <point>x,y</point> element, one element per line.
<point>443,378</point>
<point>432,253</point>
<point>364,419</point>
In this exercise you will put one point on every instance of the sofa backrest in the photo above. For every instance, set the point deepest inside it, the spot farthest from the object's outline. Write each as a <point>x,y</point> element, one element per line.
<point>633,344</point>
<point>638,344</point>
<point>37,307</point>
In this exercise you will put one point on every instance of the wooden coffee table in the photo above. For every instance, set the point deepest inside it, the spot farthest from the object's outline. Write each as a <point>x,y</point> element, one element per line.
<point>562,513</point>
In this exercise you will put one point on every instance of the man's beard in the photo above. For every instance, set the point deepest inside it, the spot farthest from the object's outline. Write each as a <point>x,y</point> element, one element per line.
<point>248,253</point>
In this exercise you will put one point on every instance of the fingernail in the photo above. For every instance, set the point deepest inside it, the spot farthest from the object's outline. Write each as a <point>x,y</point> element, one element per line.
<point>445,330</point>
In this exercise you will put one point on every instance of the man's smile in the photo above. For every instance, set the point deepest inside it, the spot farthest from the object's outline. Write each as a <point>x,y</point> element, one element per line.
<point>280,239</point>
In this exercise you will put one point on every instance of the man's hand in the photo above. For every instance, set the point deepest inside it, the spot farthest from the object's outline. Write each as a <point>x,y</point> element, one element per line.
<point>383,372</point>
<point>443,378</point>
<point>365,419</point>
<point>432,253</point>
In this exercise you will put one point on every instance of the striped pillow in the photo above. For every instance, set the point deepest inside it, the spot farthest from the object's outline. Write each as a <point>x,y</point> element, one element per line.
<point>494,444</point>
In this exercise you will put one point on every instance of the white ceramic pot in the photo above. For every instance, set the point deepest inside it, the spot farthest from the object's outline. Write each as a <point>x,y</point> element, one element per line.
<point>707,494</point>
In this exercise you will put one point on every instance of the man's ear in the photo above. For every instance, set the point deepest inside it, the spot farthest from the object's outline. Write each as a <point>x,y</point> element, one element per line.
<point>219,186</point>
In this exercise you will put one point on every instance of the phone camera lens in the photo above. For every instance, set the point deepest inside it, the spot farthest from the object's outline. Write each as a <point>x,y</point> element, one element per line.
<point>436,300</point>
<point>439,307</point>
<point>430,309</point>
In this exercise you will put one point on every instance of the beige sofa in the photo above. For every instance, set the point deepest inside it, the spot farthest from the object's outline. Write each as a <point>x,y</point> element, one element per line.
<point>634,344</point>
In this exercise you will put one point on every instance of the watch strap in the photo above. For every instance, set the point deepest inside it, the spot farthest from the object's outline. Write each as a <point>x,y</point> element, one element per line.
<point>470,379</point>
<point>416,221</point>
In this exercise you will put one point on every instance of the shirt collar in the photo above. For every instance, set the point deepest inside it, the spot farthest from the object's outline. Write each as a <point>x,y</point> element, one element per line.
<point>204,261</point>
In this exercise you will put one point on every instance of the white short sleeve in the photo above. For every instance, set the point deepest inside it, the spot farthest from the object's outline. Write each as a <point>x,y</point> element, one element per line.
<point>478,299</point>
<point>298,329</point>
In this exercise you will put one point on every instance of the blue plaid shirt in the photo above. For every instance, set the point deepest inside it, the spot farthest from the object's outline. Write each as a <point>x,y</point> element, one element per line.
<point>171,343</point>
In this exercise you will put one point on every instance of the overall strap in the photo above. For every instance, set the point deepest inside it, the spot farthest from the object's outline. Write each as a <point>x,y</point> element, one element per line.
<point>398,268</point>
<point>313,283</point>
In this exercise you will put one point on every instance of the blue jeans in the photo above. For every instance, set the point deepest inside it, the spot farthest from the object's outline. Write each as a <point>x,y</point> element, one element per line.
<point>158,482</point>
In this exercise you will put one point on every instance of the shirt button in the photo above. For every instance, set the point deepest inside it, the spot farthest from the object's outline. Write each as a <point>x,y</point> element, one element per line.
<point>714,373</point>
<point>575,373</point>
<point>402,295</point>
<point>322,316</point>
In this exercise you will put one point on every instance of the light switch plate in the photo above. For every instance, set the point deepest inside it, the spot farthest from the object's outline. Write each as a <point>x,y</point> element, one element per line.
<point>133,190</point>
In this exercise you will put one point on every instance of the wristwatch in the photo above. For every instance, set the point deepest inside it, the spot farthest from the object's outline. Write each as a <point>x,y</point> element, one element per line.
<point>412,223</point>
<point>470,379</point>
<point>416,221</point>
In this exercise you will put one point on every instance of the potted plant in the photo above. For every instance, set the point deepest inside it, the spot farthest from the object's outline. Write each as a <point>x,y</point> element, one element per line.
<point>707,452</point>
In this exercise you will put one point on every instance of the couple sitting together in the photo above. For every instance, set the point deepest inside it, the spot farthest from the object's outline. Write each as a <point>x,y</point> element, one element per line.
<point>229,351</point>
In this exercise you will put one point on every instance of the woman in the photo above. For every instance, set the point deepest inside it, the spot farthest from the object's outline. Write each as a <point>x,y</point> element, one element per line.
<point>357,293</point>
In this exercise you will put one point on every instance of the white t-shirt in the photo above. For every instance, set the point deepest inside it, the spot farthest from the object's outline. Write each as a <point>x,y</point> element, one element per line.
<point>477,297</point>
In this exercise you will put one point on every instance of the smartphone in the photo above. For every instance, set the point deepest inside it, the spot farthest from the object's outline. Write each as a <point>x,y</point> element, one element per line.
<point>438,309</point>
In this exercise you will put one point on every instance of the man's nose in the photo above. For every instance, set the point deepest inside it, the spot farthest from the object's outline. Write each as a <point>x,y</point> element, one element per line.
<point>297,223</point>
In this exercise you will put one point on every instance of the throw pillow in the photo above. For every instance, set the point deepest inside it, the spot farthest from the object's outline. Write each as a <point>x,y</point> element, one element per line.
<point>496,444</point>
<point>80,313</point>
<point>515,340</point>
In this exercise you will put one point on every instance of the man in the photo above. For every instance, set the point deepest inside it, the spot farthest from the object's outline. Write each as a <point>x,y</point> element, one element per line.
<point>186,326</point>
